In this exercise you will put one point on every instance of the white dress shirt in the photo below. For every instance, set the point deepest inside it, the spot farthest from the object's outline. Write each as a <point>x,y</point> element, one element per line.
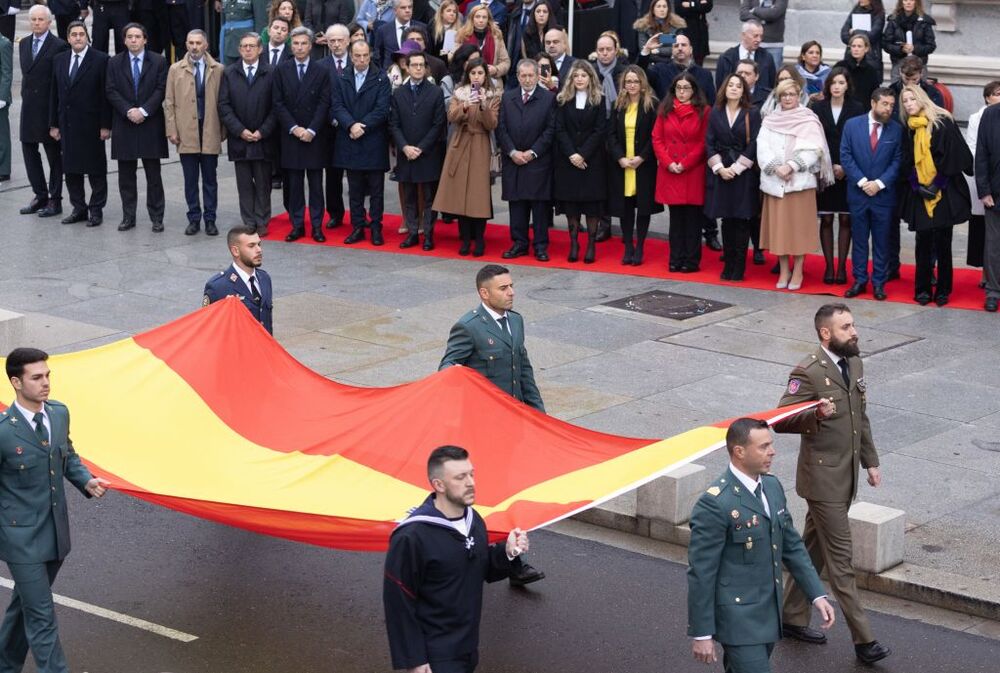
<point>30,416</point>
<point>245,277</point>
<point>496,316</point>
<point>73,55</point>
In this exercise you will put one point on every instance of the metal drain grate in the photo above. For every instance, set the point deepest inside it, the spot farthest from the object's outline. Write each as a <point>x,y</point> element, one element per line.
<point>668,305</point>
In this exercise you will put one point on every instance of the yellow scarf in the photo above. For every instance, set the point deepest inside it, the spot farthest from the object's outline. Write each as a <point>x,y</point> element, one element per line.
<point>926,170</point>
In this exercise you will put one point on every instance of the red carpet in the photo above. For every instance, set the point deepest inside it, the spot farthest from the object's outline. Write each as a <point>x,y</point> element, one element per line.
<point>965,295</point>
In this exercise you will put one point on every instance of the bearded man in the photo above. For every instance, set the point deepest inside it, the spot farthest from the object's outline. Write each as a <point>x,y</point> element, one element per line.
<point>836,444</point>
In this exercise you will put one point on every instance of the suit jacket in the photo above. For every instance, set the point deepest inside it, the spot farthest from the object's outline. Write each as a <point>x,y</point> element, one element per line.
<point>527,126</point>
<point>370,106</point>
<point>385,42</point>
<point>34,522</point>
<point>832,450</point>
<point>245,106</point>
<point>564,68</point>
<point>734,562</point>
<point>228,283</point>
<point>858,161</point>
<point>419,120</point>
<point>304,103</point>
<point>477,341</point>
<point>147,140</point>
<point>987,154</point>
<point>730,58</point>
<point>36,87</point>
<point>79,114</point>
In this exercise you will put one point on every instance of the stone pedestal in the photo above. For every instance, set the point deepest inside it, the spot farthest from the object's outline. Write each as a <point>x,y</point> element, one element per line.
<point>669,498</point>
<point>11,331</point>
<point>877,535</point>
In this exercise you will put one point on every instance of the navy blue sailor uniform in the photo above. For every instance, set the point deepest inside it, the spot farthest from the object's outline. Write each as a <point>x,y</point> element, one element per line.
<point>228,283</point>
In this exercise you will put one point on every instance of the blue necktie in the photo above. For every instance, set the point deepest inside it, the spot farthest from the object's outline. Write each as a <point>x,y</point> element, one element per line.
<point>250,75</point>
<point>135,73</point>
<point>302,71</point>
<point>76,66</point>
<point>35,46</point>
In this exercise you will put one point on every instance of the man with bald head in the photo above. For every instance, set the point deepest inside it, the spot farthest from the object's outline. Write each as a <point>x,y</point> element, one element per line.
<point>661,74</point>
<point>557,46</point>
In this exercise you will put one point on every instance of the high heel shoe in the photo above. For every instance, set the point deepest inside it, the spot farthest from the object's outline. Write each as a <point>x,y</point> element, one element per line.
<point>794,286</point>
<point>781,284</point>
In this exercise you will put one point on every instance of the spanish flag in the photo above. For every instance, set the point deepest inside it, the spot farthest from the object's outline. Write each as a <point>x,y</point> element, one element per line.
<point>210,416</point>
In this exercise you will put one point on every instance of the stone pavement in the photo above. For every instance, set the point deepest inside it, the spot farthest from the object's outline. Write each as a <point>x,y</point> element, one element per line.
<point>379,319</point>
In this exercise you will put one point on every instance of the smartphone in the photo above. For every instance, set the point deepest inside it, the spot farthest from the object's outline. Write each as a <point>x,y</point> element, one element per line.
<point>545,69</point>
<point>667,39</point>
<point>475,88</point>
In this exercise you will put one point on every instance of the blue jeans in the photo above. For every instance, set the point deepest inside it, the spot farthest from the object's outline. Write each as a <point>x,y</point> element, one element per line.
<point>205,166</point>
<point>875,223</point>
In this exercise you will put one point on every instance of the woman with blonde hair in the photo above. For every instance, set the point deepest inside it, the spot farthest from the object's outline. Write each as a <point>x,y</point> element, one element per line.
<point>580,158</point>
<point>934,158</point>
<point>480,30</point>
<point>464,188</point>
<point>794,162</point>
<point>447,17</point>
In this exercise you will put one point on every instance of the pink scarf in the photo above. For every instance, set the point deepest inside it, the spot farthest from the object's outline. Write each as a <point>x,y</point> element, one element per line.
<point>802,130</point>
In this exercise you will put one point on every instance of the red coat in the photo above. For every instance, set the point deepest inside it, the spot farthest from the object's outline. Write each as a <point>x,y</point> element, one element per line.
<point>680,138</point>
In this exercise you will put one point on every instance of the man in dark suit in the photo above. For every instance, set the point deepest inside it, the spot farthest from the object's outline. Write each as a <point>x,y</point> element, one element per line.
<point>81,122</point>
<point>870,154</point>
<point>517,22</point>
<point>557,46</point>
<point>65,11</point>
<point>525,135</point>
<point>247,111</point>
<point>244,278</point>
<point>741,535</point>
<point>37,53</point>
<point>277,52</point>
<point>988,191</point>
<point>36,456</point>
<point>417,123</point>
<point>436,69</point>
<point>136,84</point>
<point>110,15</point>
<point>662,73</point>
<point>360,112</point>
<point>749,47</point>
<point>836,443</point>
<point>302,106</point>
<point>490,340</point>
<point>389,36</point>
<point>336,64</point>
<point>750,72</point>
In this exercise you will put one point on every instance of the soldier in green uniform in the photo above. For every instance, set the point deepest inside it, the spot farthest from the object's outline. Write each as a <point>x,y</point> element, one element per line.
<point>836,443</point>
<point>238,18</point>
<point>36,454</point>
<point>741,534</point>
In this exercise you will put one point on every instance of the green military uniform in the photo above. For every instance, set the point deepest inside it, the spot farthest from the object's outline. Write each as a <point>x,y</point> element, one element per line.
<point>477,341</point>
<point>34,531</point>
<point>831,453</point>
<point>239,17</point>
<point>734,569</point>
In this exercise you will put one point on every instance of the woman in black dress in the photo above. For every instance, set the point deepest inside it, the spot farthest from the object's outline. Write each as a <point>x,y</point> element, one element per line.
<point>581,173</point>
<point>732,191</point>
<point>833,111</point>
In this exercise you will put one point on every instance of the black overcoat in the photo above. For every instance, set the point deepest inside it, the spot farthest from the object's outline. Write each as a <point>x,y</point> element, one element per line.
<point>370,106</point>
<point>583,132</point>
<point>304,103</point>
<point>645,175</point>
<point>419,120</point>
<point>248,106</point>
<point>833,199</point>
<point>79,111</point>
<point>952,159</point>
<point>527,126</point>
<point>738,198</point>
<point>148,140</point>
<point>36,87</point>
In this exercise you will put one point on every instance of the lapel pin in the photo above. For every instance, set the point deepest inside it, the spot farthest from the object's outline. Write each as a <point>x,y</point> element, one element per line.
<point>826,381</point>
<point>232,277</point>
<point>19,450</point>
<point>735,514</point>
<point>736,489</point>
<point>754,520</point>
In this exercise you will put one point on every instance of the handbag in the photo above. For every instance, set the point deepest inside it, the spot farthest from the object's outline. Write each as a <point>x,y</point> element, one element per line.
<point>928,192</point>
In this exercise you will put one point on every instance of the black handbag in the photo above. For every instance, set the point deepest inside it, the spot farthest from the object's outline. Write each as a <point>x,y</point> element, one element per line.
<point>928,192</point>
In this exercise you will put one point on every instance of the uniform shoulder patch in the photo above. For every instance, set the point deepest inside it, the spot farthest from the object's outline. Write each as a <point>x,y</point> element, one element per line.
<point>713,490</point>
<point>794,385</point>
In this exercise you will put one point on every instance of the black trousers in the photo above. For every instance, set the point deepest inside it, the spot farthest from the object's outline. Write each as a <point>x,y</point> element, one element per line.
<point>709,226</point>
<point>411,196</point>
<point>685,236</point>
<point>931,244</point>
<point>128,187</point>
<point>894,244</point>
<point>98,192</point>
<point>297,197</point>
<point>735,236</point>
<point>361,184</point>
<point>109,16</point>
<point>178,25</point>
<point>253,185</point>
<point>44,190</point>
<point>335,193</point>
<point>466,664</point>
<point>539,213</point>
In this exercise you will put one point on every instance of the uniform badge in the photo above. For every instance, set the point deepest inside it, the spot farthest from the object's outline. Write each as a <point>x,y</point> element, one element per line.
<point>490,341</point>
<point>232,277</point>
<point>862,386</point>
<point>739,526</point>
<point>826,381</point>
<point>736,489</point>
<point>13,420</point>
<point>735,514</point>
<point>749,544</point>
<point>713,490</point>
<point>754,520</point>
<point>793,386</point>
<point>205,301</point>
<point>19,450</point>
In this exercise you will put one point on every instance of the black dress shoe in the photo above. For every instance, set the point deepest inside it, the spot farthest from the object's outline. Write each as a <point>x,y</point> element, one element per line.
<point>603,231</point>
<point>126,224</point>
<point>758,257</point>
<point>463,249</point>
<point>515,251</point>
<point>192,229</point>
<point>829,278</point>
<point>941,298</point>
<point>75,216</point>
<point>318,236</point>
<point>210,228</point>
<point>377,237</point>
<point>410,241</point>
<point>689,268</point>
<point>991,304</point>
<point>855,290</point>
<point>355,236</point>
<point>713,242</point>
<point>276,183</point>
<point>262,231</point>
<point>428,242</point>
<point>879,293</point>
<point>33,207</point>
<point>51,209</point>
<point>803,633</point>
<point>335,221</point>
<point>924,298</point>
<point>872,652</point>
<point>776,268</point>
<point>95,221</point>
<point>674,268</point>
<point>523,573</point>
<point>542,256</point>
<point>294,236</point>
<point>158,227</point>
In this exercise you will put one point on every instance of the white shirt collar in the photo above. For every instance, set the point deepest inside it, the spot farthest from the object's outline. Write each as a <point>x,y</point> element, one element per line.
<point>529,93</point>
<point>82,54</point>
<point>872,121</point>
<point>744,52</point>
<point>280,47</point>
<point>746,480</point>
<point>245,276</point>
<point>834,358</point>
<point>40,38</point>
<point>399,26</point>
<point>361,73</point>
<point>250,65</point>
<point>30,415</point>
<point>141,56</point>
<point>305,63</point>
<point>493,314</point>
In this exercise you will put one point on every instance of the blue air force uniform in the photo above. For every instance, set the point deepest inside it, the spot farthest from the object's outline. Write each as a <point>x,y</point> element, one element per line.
<point>229,283</point>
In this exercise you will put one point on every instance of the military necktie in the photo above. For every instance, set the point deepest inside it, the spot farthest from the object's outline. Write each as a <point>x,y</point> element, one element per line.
<point>75,68</point>
<point>503,324</point>
<point>845,372</point>
<point>759,492</point>
<point>43,434</point>
<point>254,292</point>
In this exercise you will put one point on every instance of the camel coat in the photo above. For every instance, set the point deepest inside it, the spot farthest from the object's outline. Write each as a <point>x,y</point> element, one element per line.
<point>181,110</point>
<point>464,188</point>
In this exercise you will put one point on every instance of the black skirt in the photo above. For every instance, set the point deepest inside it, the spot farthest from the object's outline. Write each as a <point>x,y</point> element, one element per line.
<point>833,199</point>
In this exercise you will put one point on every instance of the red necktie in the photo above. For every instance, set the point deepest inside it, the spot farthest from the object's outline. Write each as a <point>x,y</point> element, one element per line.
<point>525,96</point>
<point>874,136</point>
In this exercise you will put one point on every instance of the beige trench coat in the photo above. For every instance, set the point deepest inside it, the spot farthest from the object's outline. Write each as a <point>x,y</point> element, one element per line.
<point>464,188</point>
<point>181,109</point>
